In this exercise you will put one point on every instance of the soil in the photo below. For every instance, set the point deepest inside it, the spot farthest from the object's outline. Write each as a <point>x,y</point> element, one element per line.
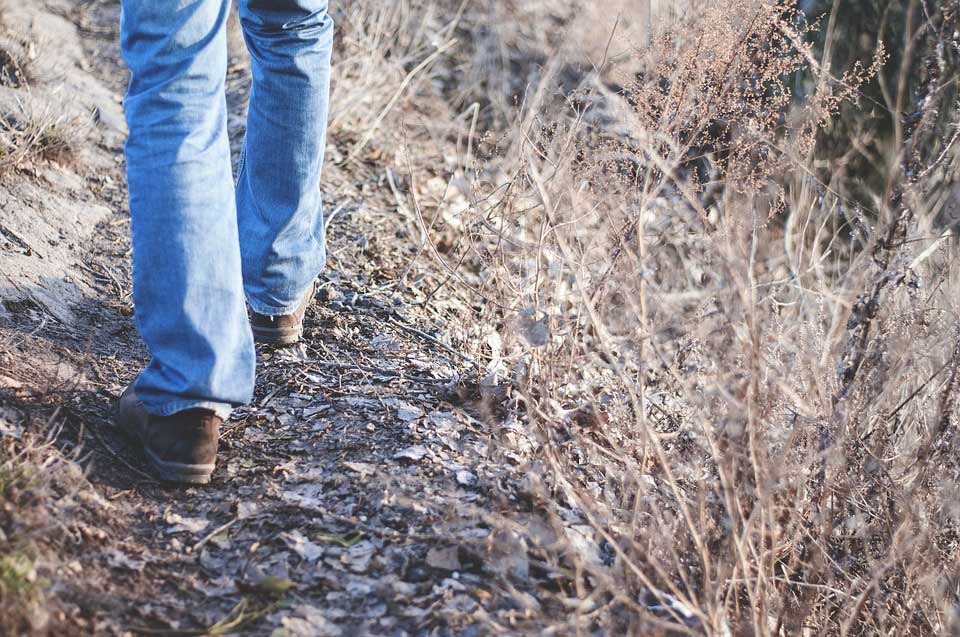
<point>359,494</point>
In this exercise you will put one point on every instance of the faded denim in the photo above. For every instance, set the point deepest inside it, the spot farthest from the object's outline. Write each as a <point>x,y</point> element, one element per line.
<point>203,245</point>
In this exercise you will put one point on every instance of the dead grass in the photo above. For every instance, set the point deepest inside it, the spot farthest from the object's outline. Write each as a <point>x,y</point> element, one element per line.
<point>31,478</point>
<point>40,128</point>
<point>35,125</point>
<point>16,54</point>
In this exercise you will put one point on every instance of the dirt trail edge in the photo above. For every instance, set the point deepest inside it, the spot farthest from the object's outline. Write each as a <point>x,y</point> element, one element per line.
<point>357,495</point>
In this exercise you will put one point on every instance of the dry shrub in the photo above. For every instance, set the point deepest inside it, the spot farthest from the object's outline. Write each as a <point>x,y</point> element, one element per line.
<point>386,55</point>
<point>743,383</point>
<point>34,125</point>
<point>13,63</point>
<point>39,127</point>
<point>15,54</point>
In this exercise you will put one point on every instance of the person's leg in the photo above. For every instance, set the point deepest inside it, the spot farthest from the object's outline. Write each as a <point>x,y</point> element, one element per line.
<point>278,181</point>
<point>187,285</point>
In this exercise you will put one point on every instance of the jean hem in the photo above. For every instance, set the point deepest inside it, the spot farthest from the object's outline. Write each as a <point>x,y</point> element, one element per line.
<point>223,410</point>
<point>272,310</point>
<point>267,310</point>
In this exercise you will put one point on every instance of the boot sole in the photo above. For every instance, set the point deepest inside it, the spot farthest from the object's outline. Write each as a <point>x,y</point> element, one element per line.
<point>281,336</point>
<point>178,472</point>
<point>273,336</point>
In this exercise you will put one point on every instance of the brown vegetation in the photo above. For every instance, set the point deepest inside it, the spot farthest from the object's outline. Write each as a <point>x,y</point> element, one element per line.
<point>709,266</point>
<point>742,377</point>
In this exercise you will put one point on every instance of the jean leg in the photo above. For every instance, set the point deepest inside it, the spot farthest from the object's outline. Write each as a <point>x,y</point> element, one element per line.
<point>187,284</point>
<point>279,203</point>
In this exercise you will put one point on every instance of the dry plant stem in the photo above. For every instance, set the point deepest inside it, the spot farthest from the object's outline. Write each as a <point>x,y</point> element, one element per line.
<point>598,325</point>
<point>212,534</point>
<point>402,209</point>
<point>433,340</point>
<point>635,568</point>
<point>359,146</point>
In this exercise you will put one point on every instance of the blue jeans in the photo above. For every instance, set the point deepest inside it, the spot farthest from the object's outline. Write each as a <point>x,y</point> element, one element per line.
<point>203,245</point>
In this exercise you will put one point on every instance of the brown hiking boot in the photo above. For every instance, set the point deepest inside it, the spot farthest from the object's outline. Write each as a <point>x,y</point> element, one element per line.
<point>179,448</point>
<point>285,329</point>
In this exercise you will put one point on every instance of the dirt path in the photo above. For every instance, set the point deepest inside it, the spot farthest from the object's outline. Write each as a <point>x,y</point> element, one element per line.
<point>357,494</point>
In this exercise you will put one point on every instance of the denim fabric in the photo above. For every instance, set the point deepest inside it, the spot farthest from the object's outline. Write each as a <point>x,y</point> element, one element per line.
<point>202,243</point>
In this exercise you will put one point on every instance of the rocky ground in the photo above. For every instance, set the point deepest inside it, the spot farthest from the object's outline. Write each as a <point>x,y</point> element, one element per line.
<point>359,494</point>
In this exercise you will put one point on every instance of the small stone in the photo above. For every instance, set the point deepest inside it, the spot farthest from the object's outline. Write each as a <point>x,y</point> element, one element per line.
<point>445,559</point>
<point>413,454</point>
<point>327,293</point>
<point>466,478</point>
